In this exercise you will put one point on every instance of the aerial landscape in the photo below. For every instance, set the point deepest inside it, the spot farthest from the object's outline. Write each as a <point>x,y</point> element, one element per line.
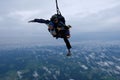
<point>60,40</point>
<point>99,61</point>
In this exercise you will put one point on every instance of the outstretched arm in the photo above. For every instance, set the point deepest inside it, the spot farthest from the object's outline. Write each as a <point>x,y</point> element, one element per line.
<point>40,21</point>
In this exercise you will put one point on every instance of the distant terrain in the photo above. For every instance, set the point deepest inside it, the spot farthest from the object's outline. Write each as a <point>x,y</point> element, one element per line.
<point>90,60</point>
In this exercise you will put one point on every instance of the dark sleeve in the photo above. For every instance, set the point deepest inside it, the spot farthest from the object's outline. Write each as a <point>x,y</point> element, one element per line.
<point>41,21</point>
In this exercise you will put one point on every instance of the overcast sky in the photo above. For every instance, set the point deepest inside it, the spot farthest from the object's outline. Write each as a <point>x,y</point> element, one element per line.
<point>83,15</point>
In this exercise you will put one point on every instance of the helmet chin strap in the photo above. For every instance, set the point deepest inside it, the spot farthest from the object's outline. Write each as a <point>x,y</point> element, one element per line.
<point>57,8</point>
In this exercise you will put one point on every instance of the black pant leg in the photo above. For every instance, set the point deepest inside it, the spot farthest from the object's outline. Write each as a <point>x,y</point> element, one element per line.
<point>67,43</point>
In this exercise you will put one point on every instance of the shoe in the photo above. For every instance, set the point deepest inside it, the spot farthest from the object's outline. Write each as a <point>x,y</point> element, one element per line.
<point>68,54</point>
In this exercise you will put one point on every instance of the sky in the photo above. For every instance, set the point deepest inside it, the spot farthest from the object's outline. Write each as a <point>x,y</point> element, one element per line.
<point>84,16</point>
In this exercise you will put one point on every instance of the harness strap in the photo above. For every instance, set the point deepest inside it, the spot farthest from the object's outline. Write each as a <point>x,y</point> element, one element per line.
<point>57,8</point>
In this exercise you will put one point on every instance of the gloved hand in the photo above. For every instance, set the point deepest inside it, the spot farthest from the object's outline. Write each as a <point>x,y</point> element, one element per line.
<point>31,21</point>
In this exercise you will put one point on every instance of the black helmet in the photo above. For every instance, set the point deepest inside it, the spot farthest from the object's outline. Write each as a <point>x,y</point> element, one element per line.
<point>54,17</point>
<point>59,17</point>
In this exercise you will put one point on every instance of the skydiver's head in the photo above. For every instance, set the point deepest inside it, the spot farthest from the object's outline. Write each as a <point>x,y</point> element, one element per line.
<point>54,18</point>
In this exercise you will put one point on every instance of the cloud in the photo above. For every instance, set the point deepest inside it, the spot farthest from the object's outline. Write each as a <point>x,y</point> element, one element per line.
<point>1,19</point>
<point>19,74</point>
<point>79,7</point>
<point>23,15</point>
<point>90,15</point>
<point>104,20</point>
